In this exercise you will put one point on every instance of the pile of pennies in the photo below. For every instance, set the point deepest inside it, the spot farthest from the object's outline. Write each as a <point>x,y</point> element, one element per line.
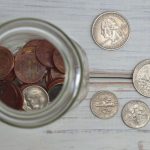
<point>110,31</point>
<point>31,78</point>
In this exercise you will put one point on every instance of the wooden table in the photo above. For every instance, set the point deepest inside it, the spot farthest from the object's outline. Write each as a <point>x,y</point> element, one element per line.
<point>109,70</point>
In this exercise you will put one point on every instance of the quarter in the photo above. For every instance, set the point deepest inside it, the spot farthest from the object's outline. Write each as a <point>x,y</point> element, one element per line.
<point>141,78</point>
<point>110,30</point>
<point>104,104</point>
<point>136,114</point>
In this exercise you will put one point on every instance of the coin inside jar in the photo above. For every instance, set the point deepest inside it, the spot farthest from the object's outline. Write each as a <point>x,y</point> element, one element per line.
<point>11,76</point>
<point>52,75</point>
<point>54,88</point>
<point>27,68</point>
<point>35,98</point>
<point>44,53</point>
<point>6,62</point>
<point>33,43</point>
<point>11,95</point>
<point>58,61</point>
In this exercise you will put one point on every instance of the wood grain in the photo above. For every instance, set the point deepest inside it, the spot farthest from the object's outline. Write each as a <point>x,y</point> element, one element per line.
<point>76,17</point>
<point>79,129</point>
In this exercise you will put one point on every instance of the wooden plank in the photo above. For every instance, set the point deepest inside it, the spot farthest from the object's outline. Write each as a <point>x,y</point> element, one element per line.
<point>79,129</point>
<point>76,17</point>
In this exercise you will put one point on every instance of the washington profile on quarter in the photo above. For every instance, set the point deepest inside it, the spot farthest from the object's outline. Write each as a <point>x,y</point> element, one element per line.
<point>104,104</point>
<point>110,30</point>
<point>35,98</point>
<point>141,78</point>
<point>136,114</point>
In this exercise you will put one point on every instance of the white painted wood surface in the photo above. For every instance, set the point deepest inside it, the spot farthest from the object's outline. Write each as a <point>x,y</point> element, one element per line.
<point>79,129</point>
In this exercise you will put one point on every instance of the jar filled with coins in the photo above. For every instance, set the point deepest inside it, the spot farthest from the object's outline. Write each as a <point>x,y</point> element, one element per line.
<point>43,73</point>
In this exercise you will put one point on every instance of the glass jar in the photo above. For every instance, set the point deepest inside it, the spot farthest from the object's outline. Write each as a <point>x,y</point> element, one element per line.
<point>13,35</point>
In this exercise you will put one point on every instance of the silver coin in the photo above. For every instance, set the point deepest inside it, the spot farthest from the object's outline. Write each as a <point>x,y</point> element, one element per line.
<point>104,105</point>
<point>141,78</point>
<point>35,98</point>
<point>136,114</point>
<point>110,30</point>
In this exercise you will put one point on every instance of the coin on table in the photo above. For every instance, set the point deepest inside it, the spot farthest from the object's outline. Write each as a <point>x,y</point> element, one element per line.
<point>136,114</point>
<point>58,61</point>
<point>35,98</point>
<point>6,62</point>
<point>141,78</point>
<point>110,30</point>
<point>104,104</point>
<point>27,68</point>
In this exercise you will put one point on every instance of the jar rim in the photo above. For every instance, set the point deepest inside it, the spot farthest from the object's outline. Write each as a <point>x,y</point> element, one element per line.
<point>42,117</point>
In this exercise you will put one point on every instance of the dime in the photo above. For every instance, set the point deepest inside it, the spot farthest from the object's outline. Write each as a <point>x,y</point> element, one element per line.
<point>58,61</point>
<point>104,104</point>
<point>35,98</point>
<point>136,114</point>
<point>110,30</point>
<point>6,62</point>
<point>27,68</point>
<point>141,78</point>
<point>54,88</point>
<point>44,53</point>
<point>11,95</point>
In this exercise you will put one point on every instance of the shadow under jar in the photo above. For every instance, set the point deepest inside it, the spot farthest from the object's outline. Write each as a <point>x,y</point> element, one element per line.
<point>14,35</point>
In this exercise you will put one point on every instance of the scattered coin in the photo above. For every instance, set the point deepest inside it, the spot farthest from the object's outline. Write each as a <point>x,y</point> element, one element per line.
<point>58,61</point>
<point>35,98</point>
<point>27,68</point>
<point>44,53</point>
<point>110,30</point>
<point>54,88</point>
<point>141,78</point>
<point>136,114</point>
<point>104,104</point>
<point>11,95</point>
<point>6,62</point>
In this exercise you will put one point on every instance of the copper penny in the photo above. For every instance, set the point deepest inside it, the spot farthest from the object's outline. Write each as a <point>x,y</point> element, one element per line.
<point>44,53</point>
<point>11,76</point>
<point>6,62</point>
<point>54,88</point>
<point>53,74</point>
<point>27,67</point>
<point>33,43</point>
<point>10,95</point>
<point>58,61</point>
